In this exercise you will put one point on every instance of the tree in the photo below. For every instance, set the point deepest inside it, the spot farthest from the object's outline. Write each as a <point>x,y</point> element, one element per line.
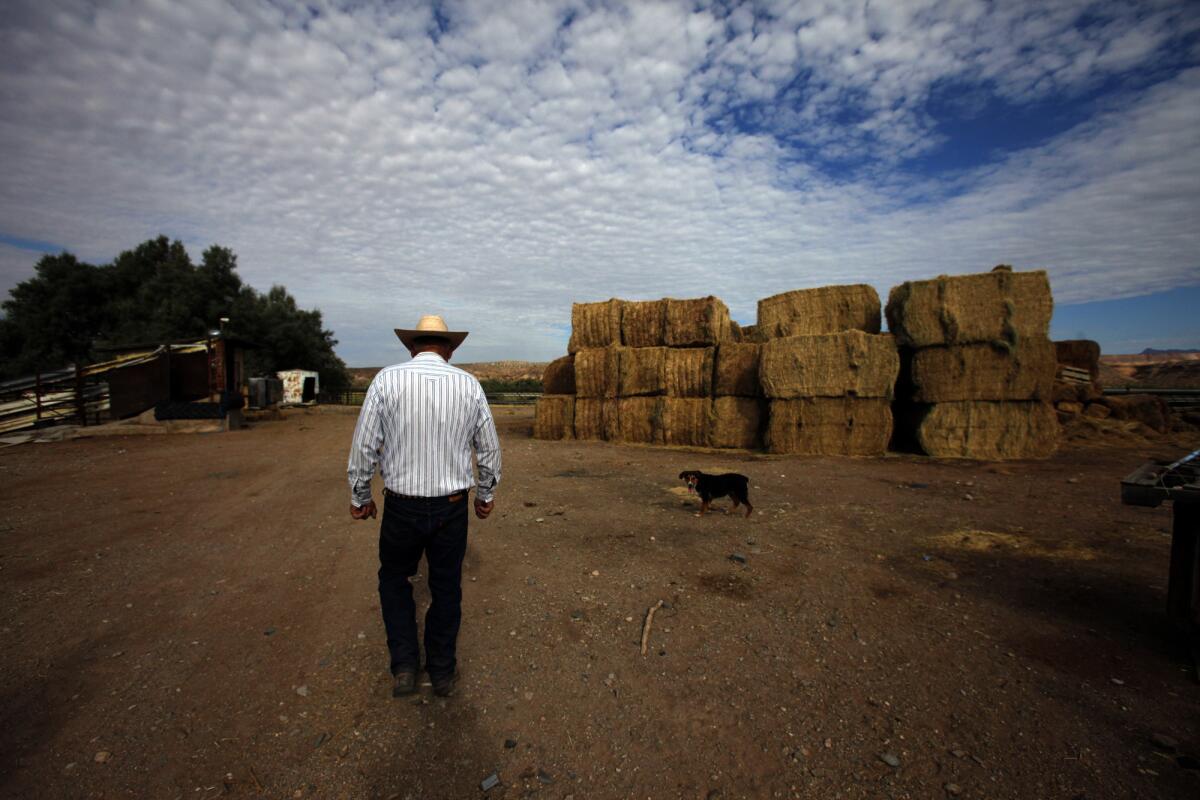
<point>51,319</point>
<point>69,311</point>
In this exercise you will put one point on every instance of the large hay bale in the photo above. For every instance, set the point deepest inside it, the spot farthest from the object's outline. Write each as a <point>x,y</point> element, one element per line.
<point>597,372</point>
<point>686,420</point>
<point>736,422</point>
<point>736,372</point>
<point>1000,305</point>
<point>559,376</point>
<point>1148,409</point>
<point>643,371</point>
<point>848,364</point>
<point>749,334</point>
<point>987,430</point>
<point>697,323</point>
<point>984,372</point>
<point>689,371</point>
<point>554,417</point>
<point>595,418</point>
<point>828,309</point>
<point>1081,354</point>
<point>844,426</point>
<point>595,325</point>
<point>644,323</point>
<point>639,419</point>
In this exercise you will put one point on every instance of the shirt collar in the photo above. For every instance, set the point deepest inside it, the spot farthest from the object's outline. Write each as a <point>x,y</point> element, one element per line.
<point>427,355</point>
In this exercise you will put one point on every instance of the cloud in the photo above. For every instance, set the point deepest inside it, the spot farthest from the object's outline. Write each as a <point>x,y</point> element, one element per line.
<point>495,162</point>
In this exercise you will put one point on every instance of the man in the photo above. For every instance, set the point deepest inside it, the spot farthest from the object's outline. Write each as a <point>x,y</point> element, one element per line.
<point>420,422</point>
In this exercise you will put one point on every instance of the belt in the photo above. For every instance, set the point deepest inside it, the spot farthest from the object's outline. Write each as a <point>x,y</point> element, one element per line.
<point>446,498</point>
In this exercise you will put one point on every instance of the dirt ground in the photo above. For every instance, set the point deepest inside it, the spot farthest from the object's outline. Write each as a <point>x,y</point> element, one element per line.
<point>196,617</point>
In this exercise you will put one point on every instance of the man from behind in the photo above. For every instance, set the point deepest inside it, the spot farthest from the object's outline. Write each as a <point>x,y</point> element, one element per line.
<point>420,423</point>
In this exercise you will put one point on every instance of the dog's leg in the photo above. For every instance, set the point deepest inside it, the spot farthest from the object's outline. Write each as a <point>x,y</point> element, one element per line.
<point>749,508</point>
<point>703,508</point>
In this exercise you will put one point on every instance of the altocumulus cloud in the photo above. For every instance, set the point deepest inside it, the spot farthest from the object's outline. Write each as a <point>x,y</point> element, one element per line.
<point>496,161</point>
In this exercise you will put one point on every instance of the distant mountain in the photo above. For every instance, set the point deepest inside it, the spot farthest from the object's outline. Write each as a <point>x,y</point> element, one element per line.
<point>1150,351</point>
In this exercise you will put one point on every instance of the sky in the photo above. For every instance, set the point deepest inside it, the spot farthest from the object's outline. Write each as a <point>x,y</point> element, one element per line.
<point>494,162</point>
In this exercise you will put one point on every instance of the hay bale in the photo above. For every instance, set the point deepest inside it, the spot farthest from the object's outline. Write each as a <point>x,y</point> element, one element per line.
<point>639,419</point>
<point>750,334</point>
<point>689,371</point>
<point>595,325</point>
<point>848,364</point>
<point>828,309</point>
<point>984,372</point>
<point>644,323</point>
<point>1148,409</point>
<point>595,418</point>
<point>559,376</point>
<point>686,421</point>
<point>736,371</point>
<point>554,417</point>
<point>597,372</point>
<point>697,323</point>
<point>987,430</point>
<point>989,307</point>
<point>844,426</point>
<point>735,331</point>
<point>736,422</point>
<point>642,371</point>
<point>1081,354</point>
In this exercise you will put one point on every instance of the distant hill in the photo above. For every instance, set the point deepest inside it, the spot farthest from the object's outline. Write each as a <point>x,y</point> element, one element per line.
<point>1159,369</point>
<point>1150,351</point>
<point>484,371</point>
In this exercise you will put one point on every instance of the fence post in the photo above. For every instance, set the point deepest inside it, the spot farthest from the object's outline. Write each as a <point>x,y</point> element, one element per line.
<point>80,406</point>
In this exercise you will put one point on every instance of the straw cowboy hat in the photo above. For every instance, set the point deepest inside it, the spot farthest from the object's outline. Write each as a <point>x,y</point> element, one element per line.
<point>431,325</point>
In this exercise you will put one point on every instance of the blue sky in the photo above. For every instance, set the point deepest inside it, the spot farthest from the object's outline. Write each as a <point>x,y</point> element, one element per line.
<point>495,162</point>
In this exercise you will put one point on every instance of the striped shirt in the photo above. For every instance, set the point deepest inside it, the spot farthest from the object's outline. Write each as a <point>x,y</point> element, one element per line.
<point>419,423</point>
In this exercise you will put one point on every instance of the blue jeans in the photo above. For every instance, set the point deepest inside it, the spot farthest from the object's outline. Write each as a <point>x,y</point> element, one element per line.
<point>436,528</point>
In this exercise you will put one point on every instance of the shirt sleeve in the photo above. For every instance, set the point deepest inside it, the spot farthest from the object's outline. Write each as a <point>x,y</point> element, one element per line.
<point>487,451</point>
<point>364,448</point>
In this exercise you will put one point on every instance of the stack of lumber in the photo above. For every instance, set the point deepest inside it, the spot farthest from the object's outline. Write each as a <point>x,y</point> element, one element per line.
<point>978,366</point>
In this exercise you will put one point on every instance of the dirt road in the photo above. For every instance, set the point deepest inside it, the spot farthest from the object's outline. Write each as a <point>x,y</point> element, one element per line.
<point>196,617</point>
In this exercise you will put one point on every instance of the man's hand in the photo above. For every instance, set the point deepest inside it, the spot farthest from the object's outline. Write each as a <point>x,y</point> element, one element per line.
<point>482,509</point>
<point>364,512</point>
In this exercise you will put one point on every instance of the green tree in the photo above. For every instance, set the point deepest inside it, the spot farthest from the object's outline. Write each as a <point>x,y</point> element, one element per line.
<point>152,294</point>
<point>51,319</point>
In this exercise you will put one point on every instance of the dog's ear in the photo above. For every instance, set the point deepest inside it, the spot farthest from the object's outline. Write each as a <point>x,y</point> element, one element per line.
<point>683,475</point>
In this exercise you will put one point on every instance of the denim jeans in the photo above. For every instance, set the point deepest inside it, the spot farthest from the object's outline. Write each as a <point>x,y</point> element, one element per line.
<point>436,528</point>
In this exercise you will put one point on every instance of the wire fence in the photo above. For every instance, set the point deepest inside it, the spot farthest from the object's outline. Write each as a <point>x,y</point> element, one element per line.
<point>354,397</point>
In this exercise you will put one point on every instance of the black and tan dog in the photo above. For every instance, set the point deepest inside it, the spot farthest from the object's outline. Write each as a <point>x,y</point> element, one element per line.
<point>731,484</point>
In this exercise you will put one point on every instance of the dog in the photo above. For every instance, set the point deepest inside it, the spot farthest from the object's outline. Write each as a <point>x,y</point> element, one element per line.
<point>731,485</point>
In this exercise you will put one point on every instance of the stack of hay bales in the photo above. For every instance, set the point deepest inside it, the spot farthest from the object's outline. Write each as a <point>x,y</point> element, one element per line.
<point>554,415</point>
<point>738,410</point>
<point>978,364</point>
<point>640,372</point>
<point>827,371</point>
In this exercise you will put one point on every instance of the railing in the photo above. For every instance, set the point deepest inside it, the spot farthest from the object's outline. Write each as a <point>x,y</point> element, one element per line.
<point>49,398</point>
<point>355,397</point>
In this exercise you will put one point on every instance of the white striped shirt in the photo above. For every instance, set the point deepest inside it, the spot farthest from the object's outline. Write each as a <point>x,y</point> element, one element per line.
<point>419,422</point>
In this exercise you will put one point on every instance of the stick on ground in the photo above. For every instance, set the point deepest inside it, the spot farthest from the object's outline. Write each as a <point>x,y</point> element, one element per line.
<point>649,622</point>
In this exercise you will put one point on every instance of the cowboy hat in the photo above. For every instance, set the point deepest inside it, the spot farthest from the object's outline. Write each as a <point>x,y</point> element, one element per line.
<point>431,325</point>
